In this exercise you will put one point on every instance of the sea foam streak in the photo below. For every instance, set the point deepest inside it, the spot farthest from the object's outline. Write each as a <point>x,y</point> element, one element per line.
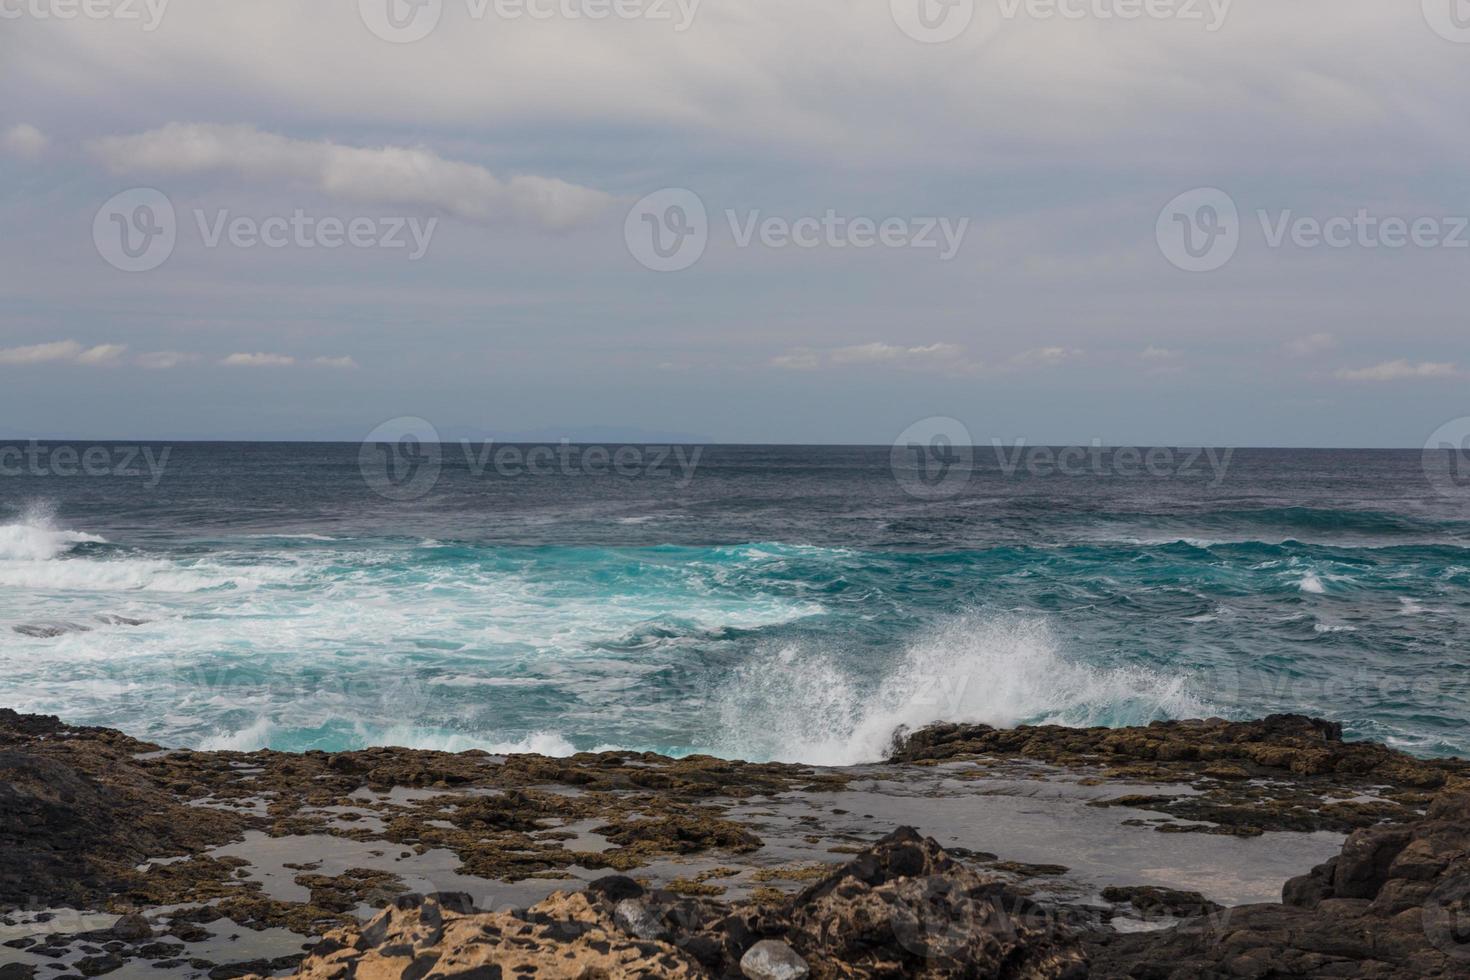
<point>799,705</point>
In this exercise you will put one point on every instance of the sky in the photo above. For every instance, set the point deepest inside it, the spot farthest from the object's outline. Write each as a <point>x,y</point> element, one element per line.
<point>1147,222</point>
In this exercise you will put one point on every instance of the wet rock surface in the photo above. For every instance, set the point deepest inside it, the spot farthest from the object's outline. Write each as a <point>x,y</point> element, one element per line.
<point>221,864</point>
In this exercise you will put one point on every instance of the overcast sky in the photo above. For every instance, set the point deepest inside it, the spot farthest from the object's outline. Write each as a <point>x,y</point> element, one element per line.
<point>1221,223</point>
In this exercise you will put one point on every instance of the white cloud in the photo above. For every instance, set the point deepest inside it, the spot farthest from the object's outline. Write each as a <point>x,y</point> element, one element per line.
<point>879,353</point>
<point>61,350</point>
<point>1402,371</point>
<point>1317,343</point>
<point>164,360</point>
<point>386,175</point>
<point>797,360</point>
<point>258,359</point>
<point>345,363</point>
<point>23,140</point>
<point>1044,356</point>
<point>1152,353</point>
<point>944,358</point>
<point>102,354</point>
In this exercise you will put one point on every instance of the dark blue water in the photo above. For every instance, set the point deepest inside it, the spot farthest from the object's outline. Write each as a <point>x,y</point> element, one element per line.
<point>788,602</point>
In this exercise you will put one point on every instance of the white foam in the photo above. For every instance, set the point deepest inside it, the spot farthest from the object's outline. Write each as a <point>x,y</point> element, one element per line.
<point>123,575</point>
<point>36,541</point>
<point>255,736</point>
<point>800,705</point>
<point>407,736</point>
<point>1334,628</point>
<point>1312,584</point>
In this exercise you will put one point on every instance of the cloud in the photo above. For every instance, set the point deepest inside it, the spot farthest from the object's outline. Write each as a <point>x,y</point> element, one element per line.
<point>386,175</point>
<point>1402,371</point>
<point>943,358</point>
<point>1152,353</point>
<point>102,354</point>
<point>1044,356</point>
<point>164,360</point>
<point>258,360</point>
<point>797,360</point>
<point>1317,343</point>
<point>23,140</point>
<point>345,363</point>
<point>61,350</point>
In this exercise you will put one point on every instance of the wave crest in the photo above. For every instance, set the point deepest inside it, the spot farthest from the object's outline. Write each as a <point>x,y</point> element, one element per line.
<point>802,705</point>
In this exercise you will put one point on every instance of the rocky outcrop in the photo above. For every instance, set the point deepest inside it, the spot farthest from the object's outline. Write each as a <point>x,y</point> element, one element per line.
<point>902,908</point>
<point>1237,749</point>
<point>1281,773</point>
<point>75,819</point>
<point>86,812</point>
<point>1393,905</point>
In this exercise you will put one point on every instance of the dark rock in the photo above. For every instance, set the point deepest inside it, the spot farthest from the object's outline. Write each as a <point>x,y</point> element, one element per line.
<point>615,887</point>
<point>1152,900</point>
<point>96,966</point>
<point>132,927</point>
<point>1413,926</point>
<point>1362,867</point>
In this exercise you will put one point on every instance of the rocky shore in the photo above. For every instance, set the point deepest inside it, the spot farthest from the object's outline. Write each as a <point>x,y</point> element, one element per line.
<point>1181,849</point>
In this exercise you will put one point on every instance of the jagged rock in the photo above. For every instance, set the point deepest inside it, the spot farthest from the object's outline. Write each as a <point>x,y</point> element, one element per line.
<point>902,908</point>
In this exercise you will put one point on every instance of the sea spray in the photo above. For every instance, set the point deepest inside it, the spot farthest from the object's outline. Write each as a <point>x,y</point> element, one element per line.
<point>804,705</point>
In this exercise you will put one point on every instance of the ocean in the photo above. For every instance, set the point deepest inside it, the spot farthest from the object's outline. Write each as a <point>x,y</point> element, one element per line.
<point>787,603</point>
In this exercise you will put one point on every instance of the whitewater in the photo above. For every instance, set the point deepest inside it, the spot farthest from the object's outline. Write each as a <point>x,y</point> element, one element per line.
<point>808,617</point>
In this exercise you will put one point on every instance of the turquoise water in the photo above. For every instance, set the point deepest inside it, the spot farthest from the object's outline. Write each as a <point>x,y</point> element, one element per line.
<point>784,604</point>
